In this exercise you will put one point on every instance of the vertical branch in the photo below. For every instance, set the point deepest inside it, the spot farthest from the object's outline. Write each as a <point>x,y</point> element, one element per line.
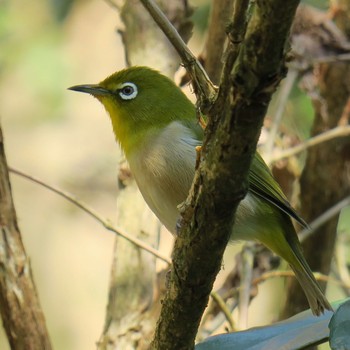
<point>20,310</point>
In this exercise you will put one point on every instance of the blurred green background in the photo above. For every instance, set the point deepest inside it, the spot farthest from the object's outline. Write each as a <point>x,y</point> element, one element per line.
<point>65,139</point>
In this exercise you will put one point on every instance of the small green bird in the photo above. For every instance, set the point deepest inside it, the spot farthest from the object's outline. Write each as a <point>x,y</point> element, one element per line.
<point>157,128</point>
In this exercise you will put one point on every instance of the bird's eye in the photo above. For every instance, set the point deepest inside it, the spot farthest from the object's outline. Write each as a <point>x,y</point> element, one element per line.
<point>128,91</point>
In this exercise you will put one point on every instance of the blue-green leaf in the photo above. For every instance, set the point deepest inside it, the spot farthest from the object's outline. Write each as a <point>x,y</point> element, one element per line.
<point>339,338</point>
<point>297,332</point>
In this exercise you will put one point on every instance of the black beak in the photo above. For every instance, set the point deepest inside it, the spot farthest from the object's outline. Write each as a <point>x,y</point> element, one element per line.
<point>93,89</point>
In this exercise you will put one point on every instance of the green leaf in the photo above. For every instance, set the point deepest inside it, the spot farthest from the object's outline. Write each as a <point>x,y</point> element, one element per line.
<point>339,327</point>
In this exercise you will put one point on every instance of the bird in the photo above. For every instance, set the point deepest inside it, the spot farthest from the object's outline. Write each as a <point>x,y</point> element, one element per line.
<point>157,128</point>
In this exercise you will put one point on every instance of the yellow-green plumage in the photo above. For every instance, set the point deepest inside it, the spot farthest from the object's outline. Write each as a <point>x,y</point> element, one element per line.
<point>156,126</point>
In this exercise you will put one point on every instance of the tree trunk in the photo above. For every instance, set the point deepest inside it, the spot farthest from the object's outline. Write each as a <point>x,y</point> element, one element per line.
<point>20,309</point>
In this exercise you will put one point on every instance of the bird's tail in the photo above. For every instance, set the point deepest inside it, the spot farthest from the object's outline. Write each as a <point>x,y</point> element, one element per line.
<point>288,247</point>
<point>317,300</point>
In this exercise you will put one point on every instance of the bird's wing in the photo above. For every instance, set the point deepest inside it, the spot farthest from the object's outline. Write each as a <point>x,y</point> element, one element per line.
<point>262,184</point>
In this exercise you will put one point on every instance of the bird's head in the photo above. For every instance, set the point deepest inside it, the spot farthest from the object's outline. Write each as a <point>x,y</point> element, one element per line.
<point>141,102</point>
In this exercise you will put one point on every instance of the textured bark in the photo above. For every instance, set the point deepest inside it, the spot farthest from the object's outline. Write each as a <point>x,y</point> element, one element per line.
<point>221,179</point>
<point>20,310</point>
<point>324,180</point>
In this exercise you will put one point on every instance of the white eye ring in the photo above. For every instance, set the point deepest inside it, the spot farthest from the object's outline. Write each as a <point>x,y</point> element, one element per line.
<point>127,91</point>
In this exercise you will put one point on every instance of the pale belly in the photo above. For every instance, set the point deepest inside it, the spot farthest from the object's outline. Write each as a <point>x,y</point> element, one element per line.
<point>164,172</point>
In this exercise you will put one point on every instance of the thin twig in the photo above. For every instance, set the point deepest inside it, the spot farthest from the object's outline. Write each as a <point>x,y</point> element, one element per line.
<point>245,285</point>
<point>319,276</point>
<point>332,58</point>
<point>223,307</point>
<point>93,214</point>
<point>339,131</point>
<point>310,62</point>
<point>322,219</point>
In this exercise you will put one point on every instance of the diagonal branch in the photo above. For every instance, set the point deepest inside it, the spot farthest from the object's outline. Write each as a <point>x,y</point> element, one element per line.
<point>203,87</point>
<point>339,131</point>
<point>323,218</point>
<point>106,223</point>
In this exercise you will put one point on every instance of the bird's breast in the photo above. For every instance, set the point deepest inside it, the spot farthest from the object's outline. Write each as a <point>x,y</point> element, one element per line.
<point>163,168</point>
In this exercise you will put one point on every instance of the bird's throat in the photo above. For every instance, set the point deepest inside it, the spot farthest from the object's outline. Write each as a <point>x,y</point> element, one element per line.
<point>125,136</point>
